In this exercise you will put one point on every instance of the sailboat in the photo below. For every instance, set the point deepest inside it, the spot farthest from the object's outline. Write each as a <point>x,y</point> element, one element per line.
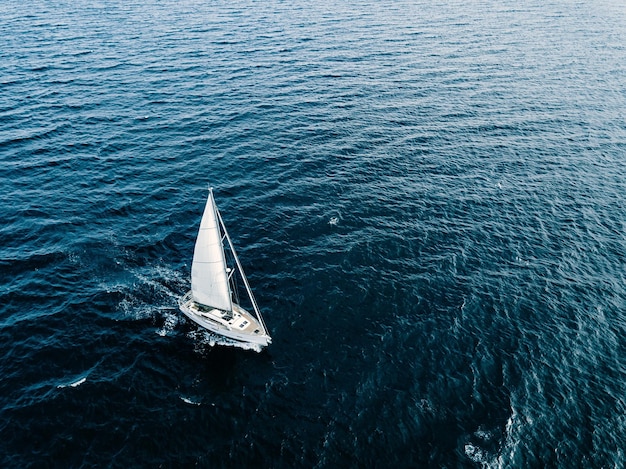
<point>214,301</point>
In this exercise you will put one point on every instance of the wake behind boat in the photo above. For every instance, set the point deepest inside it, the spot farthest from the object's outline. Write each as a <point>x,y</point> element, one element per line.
<point>214,301</point>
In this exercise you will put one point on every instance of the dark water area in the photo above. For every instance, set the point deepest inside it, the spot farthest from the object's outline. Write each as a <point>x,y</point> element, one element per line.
<point>427,198</point>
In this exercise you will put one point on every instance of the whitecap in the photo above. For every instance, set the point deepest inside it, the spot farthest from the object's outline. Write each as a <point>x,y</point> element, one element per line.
<point>188,401</point>
<point>78,383</point>
<point>475,453</point>
<point>74,384</point>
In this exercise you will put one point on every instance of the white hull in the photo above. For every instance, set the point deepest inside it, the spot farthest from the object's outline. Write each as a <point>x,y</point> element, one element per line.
<point>239,324</point>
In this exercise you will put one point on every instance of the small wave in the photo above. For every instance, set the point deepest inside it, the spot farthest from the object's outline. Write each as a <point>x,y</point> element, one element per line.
<point>188,401</point>
<point>72,385</point>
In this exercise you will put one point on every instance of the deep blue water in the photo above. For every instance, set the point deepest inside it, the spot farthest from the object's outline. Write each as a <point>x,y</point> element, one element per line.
<point>468,308</point>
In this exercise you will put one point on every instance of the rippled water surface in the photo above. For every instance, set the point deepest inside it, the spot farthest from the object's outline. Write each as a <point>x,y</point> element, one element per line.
<point>427,197</point>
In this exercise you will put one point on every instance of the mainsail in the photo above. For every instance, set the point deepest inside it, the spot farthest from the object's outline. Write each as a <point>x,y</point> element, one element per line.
<point>209,280</point>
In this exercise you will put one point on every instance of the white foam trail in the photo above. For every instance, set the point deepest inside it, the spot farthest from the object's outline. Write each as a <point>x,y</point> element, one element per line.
<point>510,445</point>
<point>205,338</point>
<point>171,320</point>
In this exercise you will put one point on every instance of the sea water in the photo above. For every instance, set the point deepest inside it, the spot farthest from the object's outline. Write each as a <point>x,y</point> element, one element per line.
<point>427,198</point>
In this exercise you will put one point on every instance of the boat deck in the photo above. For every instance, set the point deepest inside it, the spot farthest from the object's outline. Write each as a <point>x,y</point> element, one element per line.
<point>238,324</point>
<point>239,319</point>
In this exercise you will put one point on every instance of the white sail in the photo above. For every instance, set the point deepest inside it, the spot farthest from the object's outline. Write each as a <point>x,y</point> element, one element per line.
<point>209,280</point>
